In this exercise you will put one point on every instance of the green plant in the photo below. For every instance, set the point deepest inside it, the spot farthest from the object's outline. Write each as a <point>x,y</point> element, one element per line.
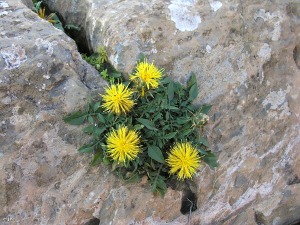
<point>99,60</point>
<point>52,17</point>
<point>147,127</point>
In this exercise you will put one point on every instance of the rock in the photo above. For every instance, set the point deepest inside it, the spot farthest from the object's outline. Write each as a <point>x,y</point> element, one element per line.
<point>246,58</point>
<point>42,78</point>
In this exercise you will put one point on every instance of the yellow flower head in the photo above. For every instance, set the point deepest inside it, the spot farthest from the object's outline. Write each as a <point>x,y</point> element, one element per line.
<point>183,159</point>
<point>147,74</point>
<point>117,99</point>
<point>123,144</point>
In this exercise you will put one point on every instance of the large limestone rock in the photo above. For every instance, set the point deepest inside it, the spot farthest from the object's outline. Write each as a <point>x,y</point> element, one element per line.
<point>246,55</point>
<point>42,78</point>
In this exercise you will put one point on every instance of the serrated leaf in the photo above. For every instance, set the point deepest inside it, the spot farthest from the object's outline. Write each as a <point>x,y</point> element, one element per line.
<point>76,118</point>
<point>193,92</point>
<point>86,148</point>
<point>155,153</point>
<point>211,160</point>
<point>149,124</point>
<point>169,135</point>
<point>170,91</point>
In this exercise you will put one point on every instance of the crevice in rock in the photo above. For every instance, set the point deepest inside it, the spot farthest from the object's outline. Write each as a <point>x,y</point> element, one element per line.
<point>80,39</point>
<point>295,223</point>
<point>188,201</point>
<point>260,218</point>
<point>93,221</point>
<point>296,55</point>
<point>293,180</point>
<point>79,36</point>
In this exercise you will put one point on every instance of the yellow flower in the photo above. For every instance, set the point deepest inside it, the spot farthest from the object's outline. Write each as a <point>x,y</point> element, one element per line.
<point>183,159</point>
<point>123,144</point>
<point>117,99</point>
<point>147,74</point>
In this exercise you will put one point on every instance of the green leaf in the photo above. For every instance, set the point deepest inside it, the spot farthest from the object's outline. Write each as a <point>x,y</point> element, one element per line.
<point>193,92</point>
<point>170,91</point>
<point>203,141</point>
<point>59,26</point>
<point>171,107</point>
<point>205,108</point>
<point>192,80</point>
<point>149,124</point>
<point>210,159</point>
<point>86,148</point>
<point>91,119</point>
<point>185,133</point>
<point>116,75</point>
<point>166,80</point>
<point>203,152</point>
<point>182,120</point>
<point>158,185</point>
<point>98,157</point>
<point>106,161</point>
<point>76,118</point>
<point>138,127</point>
<point>170,135</point>
<point>89,129</point>
<point>96,106</point>
<point>38,6</point>
<point>161,186</point>
<point>100,118</point>
<point>158,116</point>
<point>110,118</point>
<point>134,178</point>
<point>98,131</point>
<point>155,153</point>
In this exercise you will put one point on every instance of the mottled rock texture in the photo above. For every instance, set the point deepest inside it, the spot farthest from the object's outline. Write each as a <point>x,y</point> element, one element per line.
<point>246,55</point>
<point>42,78</point>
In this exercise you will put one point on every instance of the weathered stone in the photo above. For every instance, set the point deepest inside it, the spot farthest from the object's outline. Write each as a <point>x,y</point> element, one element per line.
<point>246,58</point>
<point>42,78</point>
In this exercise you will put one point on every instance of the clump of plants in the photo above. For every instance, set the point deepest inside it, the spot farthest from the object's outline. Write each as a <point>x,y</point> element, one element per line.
<point>100,62</point>
<point>147,126</point>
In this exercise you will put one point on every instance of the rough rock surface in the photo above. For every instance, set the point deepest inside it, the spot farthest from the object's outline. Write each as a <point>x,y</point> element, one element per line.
<point>246,55</point>
<point>42,78</point>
